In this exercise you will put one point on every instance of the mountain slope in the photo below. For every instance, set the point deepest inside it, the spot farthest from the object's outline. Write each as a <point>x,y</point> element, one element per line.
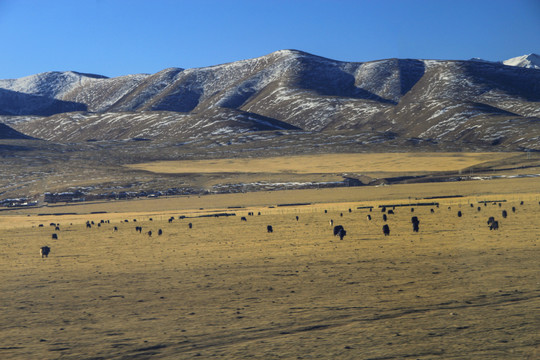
<point>468,101</point>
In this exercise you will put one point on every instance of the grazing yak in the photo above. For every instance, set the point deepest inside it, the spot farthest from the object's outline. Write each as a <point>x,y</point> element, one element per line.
<point>340,231</point>
<point>297,217</point>
<point>269,229</point>
<point>160,232</point>
<point>386,230</point>
<point>243,218</point>
<point>368,217</point>
<point>494,225</point>
<point>415,222</point>
<point>190,225</point>
<point>44,251</point>
<point>490,220</point>
<point>337,229</point>
<point>459,214</point>
<point>55,236</point>
<point>390,212</point>
<point>384,217</point>
<point>504,214</point>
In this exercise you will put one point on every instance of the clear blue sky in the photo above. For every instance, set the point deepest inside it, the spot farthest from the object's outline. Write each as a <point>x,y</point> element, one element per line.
<point>118,37</point>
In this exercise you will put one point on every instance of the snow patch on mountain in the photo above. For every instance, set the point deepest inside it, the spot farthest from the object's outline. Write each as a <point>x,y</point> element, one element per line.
<point>530,61</point>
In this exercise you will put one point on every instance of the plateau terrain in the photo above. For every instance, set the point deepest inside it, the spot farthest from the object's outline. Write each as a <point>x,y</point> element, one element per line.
<point>194,212</point>
<point>82,135</point>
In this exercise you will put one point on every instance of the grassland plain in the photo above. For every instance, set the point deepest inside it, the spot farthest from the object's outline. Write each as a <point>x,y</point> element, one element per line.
<point>227,288</point>
<point>328,163</point>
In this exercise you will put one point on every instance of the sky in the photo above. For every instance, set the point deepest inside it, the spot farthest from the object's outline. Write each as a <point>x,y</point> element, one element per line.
<point>121,37</point>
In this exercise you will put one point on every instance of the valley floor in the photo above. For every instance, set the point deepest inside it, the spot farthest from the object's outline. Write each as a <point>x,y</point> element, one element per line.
<point>228,288</point>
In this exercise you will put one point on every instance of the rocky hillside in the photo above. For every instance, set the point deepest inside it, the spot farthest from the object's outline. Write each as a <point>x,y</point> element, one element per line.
<point>458,101</point>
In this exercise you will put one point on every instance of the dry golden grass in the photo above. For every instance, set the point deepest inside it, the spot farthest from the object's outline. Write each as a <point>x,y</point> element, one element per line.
<point>455,290</point>
<point>328,163</point>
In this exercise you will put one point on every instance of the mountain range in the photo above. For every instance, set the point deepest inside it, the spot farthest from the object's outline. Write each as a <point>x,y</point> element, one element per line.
<point>460,101</point>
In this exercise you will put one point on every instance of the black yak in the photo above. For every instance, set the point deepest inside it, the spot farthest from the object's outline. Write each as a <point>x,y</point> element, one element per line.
<point>44,251</point>
<point>337,229</point>
<point>415,222</point>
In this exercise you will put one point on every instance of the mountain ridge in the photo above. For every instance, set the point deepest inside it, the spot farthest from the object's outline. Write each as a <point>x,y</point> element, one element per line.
<point>287,89</point>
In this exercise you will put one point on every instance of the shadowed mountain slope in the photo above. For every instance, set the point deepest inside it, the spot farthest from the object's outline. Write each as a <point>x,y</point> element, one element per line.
<point>8,133</point>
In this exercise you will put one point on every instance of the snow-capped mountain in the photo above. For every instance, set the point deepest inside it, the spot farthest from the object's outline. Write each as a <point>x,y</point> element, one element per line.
<point>531,61</point>
<point>463,101</point>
